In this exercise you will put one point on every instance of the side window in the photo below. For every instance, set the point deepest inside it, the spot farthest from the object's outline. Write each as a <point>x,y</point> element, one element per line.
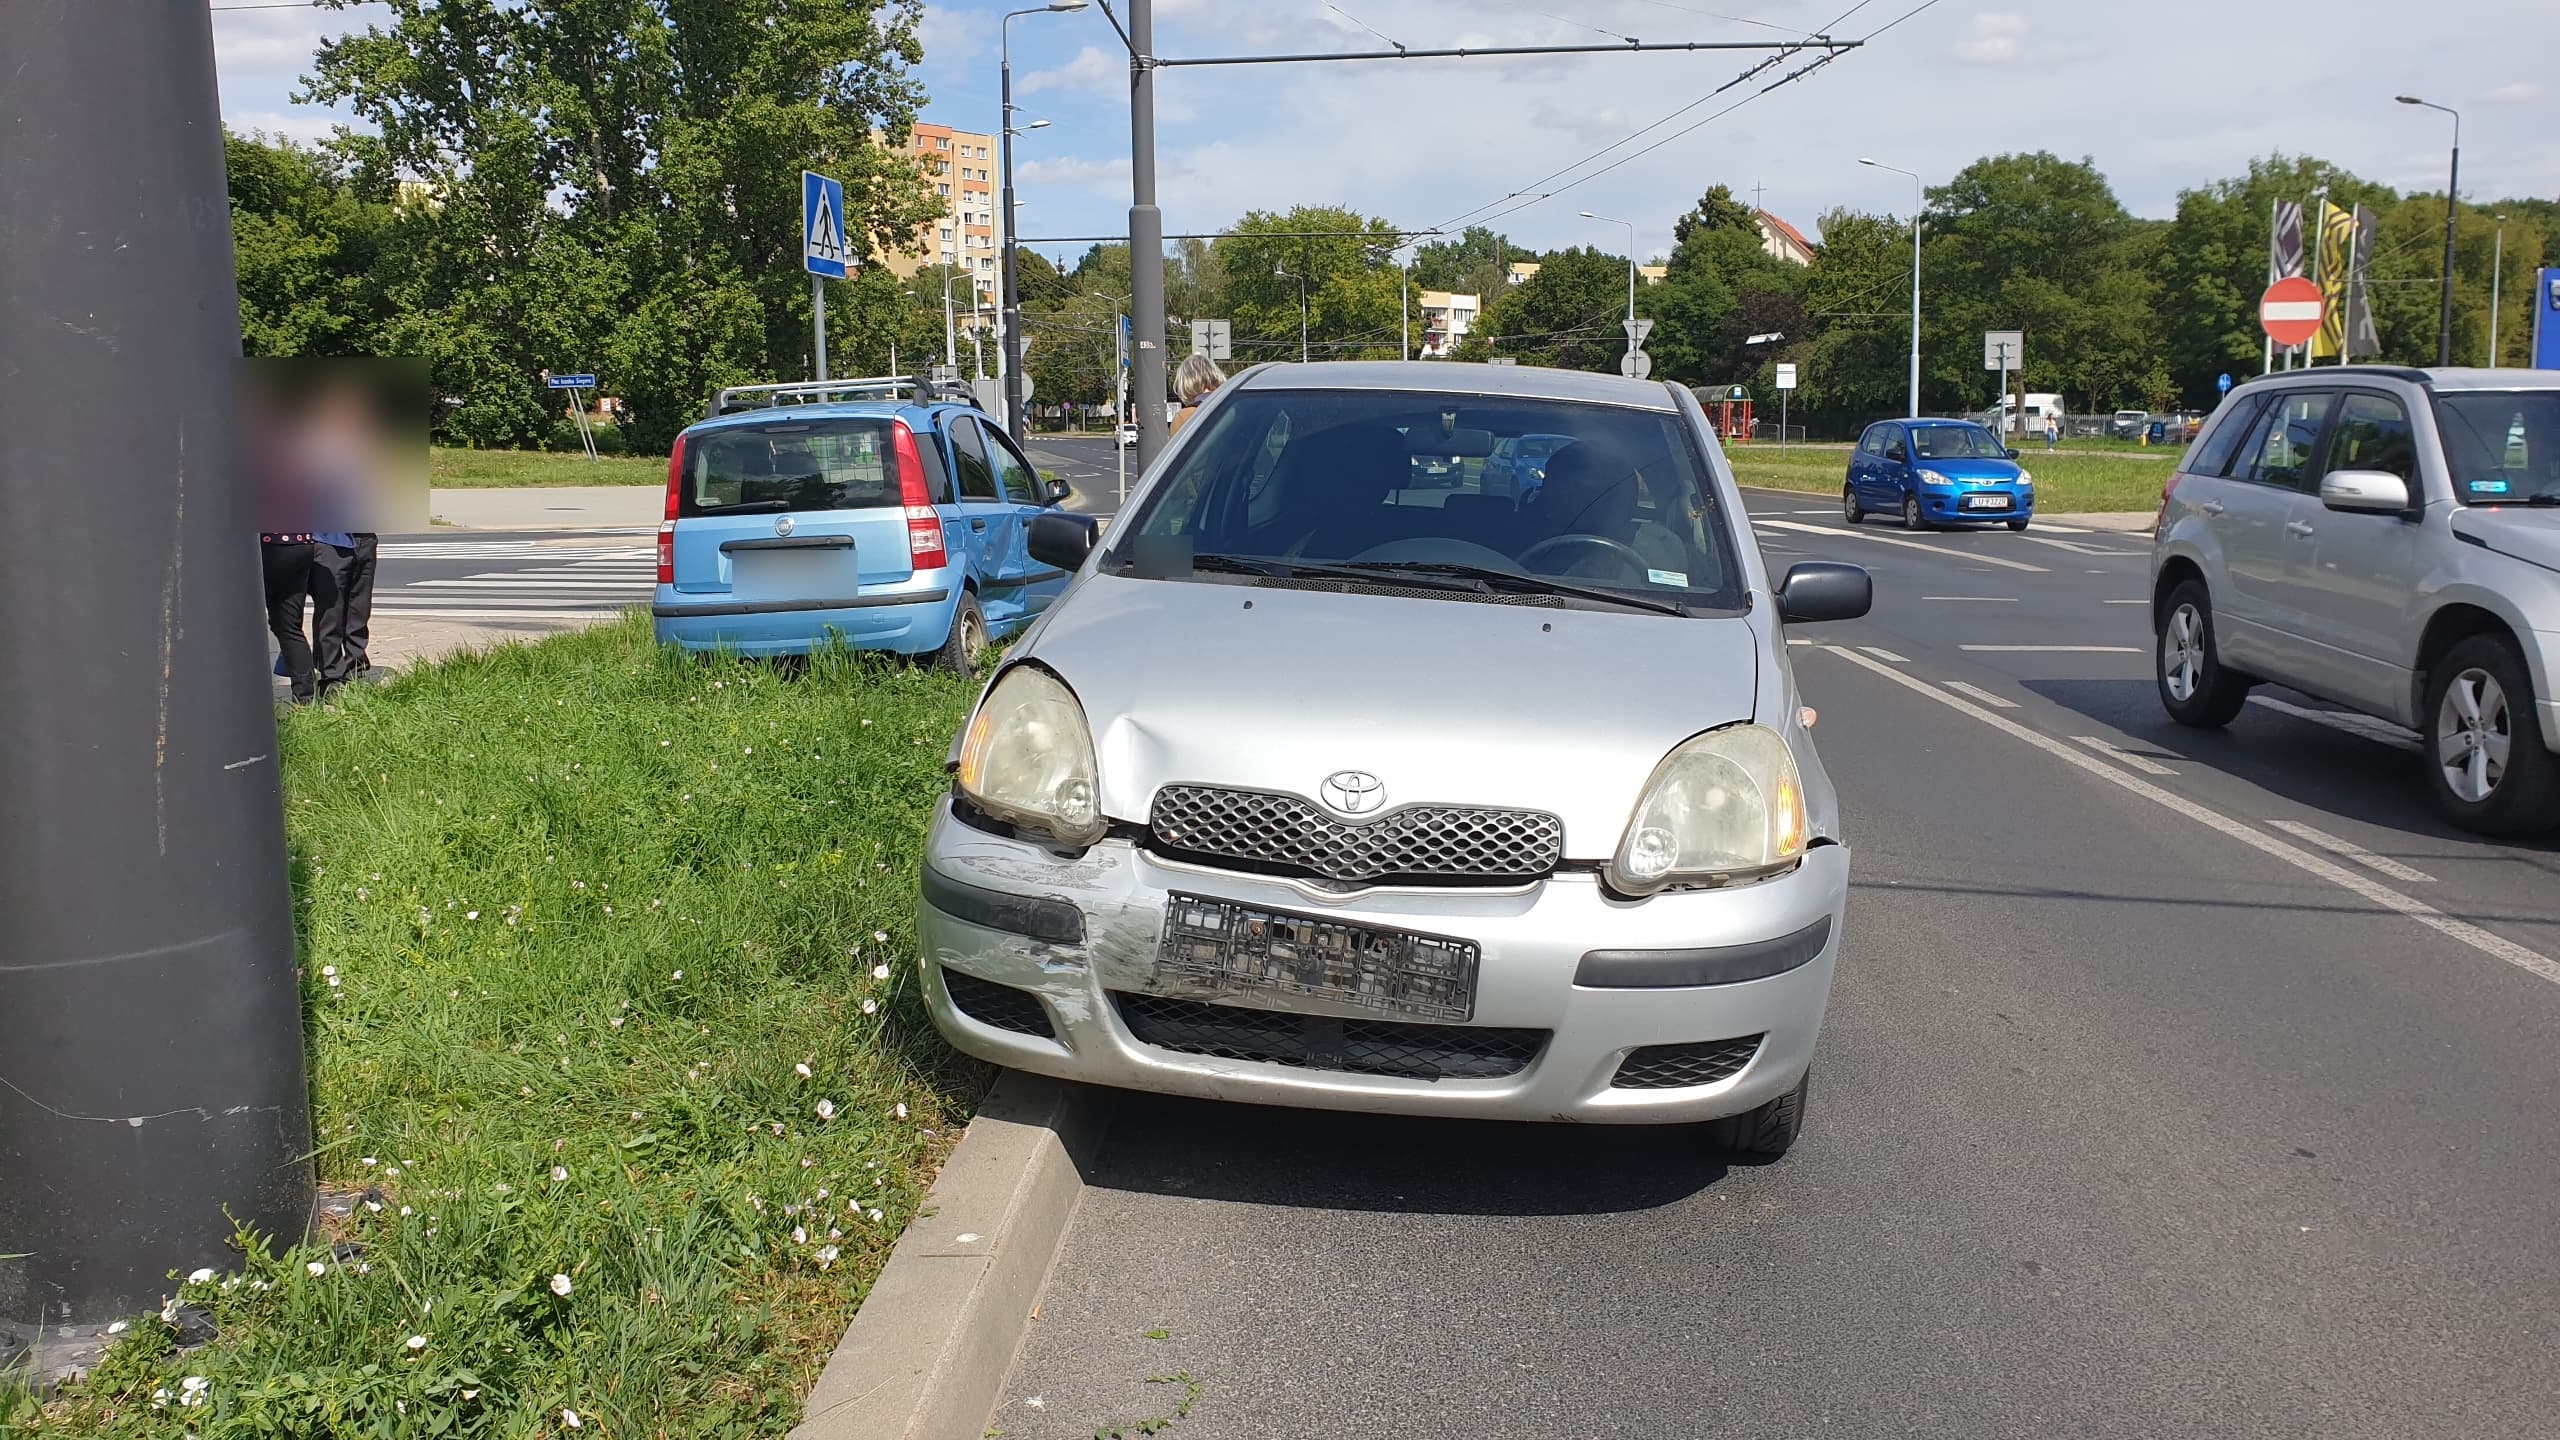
<point>1873,441</point>
<point>2282,444</point>
<point>2213,457</point>
<point>2372,433</point>
<point>1014,475</point>
<point>977,476</point>
<point>1893,449</point>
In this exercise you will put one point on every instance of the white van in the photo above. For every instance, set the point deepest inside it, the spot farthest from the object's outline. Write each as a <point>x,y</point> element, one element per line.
<point>2039,409</point>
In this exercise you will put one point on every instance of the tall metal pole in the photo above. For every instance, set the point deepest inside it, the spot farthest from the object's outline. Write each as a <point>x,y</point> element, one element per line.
<point>1919,202</point>
<point>2452,208</point>
<point>1146,237</point>
<point>150,1018</point>
<point>950,323</point>
<point>2497,271</point>
<point>818,308</point>
<point>1404,301</point>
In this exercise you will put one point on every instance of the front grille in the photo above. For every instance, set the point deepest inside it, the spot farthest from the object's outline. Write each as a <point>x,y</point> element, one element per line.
<point>1001,1006</point>
<point>1321,1042</point>
<point>1416,841</point>
<point>1700,1062</point>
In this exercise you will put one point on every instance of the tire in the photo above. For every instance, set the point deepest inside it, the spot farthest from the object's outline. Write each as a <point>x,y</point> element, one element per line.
<point>2194,687</point>
<point>1766,1132</point>
<point>2018,525</point>
<point>2479,703</point>
<point>968,637</point>
<point>1850,510</point>
<point>1911,514</point>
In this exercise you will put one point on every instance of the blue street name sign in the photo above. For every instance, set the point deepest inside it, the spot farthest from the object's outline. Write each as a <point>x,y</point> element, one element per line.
<point>573,382</point>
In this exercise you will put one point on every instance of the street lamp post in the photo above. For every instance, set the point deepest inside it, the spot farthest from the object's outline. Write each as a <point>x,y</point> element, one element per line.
<point>2452,183</point>
<point>1631,277</point>
<point>1011,316</point>
<point>1920,200</point>
<point>2497,271</point>
<point>1302,308</point>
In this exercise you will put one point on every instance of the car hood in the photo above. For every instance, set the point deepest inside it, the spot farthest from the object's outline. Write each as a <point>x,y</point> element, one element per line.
<point>2526,534</point>
<point>1971,469</point>
<point>1258,687</point>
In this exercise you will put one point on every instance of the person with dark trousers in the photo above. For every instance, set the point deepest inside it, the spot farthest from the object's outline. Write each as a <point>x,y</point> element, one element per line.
<point>288,576</point>
<point>342,606</point>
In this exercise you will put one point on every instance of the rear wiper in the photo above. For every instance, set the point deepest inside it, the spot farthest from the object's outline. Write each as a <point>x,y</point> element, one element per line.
<point>747,507</point>
<point>1519,582</point>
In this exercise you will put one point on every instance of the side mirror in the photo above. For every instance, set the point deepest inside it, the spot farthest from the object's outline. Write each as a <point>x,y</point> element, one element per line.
<point>2010,452</point>
<point>2365,492</point>
<point>1054,491</point>
<point>1062,541</point>
<point>1825,590</point>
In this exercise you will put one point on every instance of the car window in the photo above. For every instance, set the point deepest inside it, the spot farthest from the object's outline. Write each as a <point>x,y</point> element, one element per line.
<point>2280,448</point>
<point>1873,441</point>
<point>795,465</point>
<point>1956,442</point>
<point>2503,446</point>
<point>977,476</point>
<point>1014,475</point>
<point>1625,502</point>
<point>1893,444</point>
<point>2372,433</point>
<point>2214,455</point>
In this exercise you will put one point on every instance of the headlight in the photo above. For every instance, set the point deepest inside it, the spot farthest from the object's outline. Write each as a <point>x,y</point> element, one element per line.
<point>1028,759</point>
<point>1727,805</point>
<point>1932,477</point>
<point>2026,479</point>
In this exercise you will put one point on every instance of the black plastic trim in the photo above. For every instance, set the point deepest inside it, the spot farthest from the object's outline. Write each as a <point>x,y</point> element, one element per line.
<point>1716,965</point>
<point>676,610</point>
<point>791,542</point>
<point>1055,921</point>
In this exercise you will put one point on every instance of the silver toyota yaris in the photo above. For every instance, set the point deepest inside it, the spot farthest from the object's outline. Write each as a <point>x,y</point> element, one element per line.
<point>1364,767</point>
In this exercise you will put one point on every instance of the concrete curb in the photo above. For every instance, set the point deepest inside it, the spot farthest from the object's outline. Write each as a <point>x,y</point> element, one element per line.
<point>927,1355</point>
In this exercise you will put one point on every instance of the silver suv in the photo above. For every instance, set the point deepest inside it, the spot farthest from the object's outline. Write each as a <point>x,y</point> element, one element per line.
<point>2388,539</point>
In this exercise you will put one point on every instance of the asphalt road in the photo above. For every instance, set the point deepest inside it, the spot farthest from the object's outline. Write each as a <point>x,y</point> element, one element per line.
<point>2175,1083</point>
<point>1090,465</point>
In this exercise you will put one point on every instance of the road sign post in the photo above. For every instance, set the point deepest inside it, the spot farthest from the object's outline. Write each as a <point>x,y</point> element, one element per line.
<point>822,250</point>
<point>577,407</point>
<point>1213,338</point>
<point>1786,386</point>
<point>2004,351</point>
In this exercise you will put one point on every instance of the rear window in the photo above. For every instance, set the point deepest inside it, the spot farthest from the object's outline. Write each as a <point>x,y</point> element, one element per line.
<point>2215,452</point>
<point>845,464</point>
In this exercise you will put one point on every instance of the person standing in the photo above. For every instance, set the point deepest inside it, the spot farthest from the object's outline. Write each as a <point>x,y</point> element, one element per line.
<point>2052,430</point>
<point>1192,382</point>
<point>342,605</point>
<point>287,559</point>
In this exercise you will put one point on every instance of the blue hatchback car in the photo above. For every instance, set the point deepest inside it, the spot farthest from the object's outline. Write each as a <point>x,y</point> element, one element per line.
<point>1937,472</point>
<point>870,512</point>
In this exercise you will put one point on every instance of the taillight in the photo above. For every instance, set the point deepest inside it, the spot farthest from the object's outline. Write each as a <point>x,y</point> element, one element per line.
<point>667,526</point>
<point>924,524</point>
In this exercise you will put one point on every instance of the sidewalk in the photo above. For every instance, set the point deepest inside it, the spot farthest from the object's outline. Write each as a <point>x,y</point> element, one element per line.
<point>581,507</point>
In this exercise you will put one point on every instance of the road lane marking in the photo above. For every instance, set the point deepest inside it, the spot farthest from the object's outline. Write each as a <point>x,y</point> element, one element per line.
<point>2379,864</point>
<point>1882,653</point>
<point>2055,649</point>
<point>2076,548</point>
<point>1799,642</point>
<point>2361,726</point>
<point>1986,697</point>
<point>1938,550</point>
<point>2497,947</point>
<point>1979,599</point>
<point>2121,756</point>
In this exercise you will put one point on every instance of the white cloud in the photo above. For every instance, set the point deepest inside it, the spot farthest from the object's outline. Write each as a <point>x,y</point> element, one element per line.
<point>1073,170</point>
<point>1996,39</point>
<point>1094,70</point>
<point>307,125</point>
<point>2518,90</point>
<point>950,34</point>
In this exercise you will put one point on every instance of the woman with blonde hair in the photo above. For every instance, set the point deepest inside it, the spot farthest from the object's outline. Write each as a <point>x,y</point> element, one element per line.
<point>1193,379</point>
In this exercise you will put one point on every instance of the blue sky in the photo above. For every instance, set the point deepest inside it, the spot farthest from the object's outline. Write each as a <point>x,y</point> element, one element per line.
<point>2163,96</point>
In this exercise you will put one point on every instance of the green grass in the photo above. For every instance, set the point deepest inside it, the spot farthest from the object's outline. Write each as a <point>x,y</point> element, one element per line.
<point>2066,482</point>
<point>500,469</point>
<point>585,904</point>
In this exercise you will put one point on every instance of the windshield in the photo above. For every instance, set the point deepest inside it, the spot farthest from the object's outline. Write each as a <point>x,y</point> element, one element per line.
<point>1290,479</point>
<point>845,464</point>
<point>2502,446</point>
<point>1956,442</point>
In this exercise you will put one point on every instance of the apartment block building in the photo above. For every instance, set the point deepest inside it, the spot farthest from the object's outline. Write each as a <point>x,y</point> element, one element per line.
<point>961,167</point>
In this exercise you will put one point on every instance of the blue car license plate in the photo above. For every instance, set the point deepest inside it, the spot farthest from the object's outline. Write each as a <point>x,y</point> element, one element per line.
<point>1218,942</point>
<point>1986,502</point>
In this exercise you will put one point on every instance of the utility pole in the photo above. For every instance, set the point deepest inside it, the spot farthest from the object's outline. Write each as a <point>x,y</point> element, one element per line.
<point>2497,271</point>
<point>2452,211</point>
<point>1146,237</point>
<point>150,1015</point>
<point>950,325</point>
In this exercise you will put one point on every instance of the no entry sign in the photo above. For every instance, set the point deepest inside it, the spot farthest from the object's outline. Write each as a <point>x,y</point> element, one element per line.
<point>2290,312</point>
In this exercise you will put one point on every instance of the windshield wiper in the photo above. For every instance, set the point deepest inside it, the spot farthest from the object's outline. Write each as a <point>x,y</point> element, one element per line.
<point>1312,570</point>
<point>1517,582</point>
<point>746,507</point>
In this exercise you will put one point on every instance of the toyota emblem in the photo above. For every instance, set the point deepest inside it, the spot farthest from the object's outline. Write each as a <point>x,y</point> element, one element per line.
<point>781,524</point>
<point>1354,792</point>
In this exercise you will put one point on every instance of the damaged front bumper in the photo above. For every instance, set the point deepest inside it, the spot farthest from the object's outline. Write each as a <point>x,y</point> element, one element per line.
<point>1684,1006</point>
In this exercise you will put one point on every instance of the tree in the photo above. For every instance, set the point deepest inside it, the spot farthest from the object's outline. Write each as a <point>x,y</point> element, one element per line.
<point>1566,315</point>
<point>315,270</point>
<point>616,182</point>
<point>1720,287</point>
<point>1353,295</point>
<point>1857,292</point>
<point>1472,264</point>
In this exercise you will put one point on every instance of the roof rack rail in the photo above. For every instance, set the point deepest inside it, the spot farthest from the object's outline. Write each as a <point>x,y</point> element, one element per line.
<point>735,398</point>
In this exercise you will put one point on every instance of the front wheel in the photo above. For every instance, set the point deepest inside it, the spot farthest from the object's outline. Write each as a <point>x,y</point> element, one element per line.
<point>1911,514</point>
<point>1850,510</point>
<point>2017,524</point>
<point>968,637</point>
<point>1764,1133</point>
<point>2194,687</point>
<point>2486,762</point>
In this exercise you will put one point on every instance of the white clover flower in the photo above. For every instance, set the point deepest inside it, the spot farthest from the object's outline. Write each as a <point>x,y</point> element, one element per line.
<point>470,914</point>
<point>826,1109</point>
<point>801,1069</point>
<point>569,1418</point>
<point>328,969</point>
<point>882,936</point>
<point>826,1256</point>
<point>191,1390</point>
<point>879,972</point>
<point>901,1109</point>
<point>315,1269</point>
<point>870,1006</point>
<point>559,1174</point>
<point>560,1285</point>
<point>119,1327</point>
<point>677,976</point>
<point>416,1342</point>
<point>875,1217</point>
<point>201,1276</point>
<point>799,1234</point>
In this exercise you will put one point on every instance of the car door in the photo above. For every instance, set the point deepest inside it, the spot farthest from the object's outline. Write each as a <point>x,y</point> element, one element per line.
<point>1020,484</point>
<point>2354,575</point>
<point>1862,456</point>
<point>985,521</point>
<point>1893,468</point>
<point>2258,614</point>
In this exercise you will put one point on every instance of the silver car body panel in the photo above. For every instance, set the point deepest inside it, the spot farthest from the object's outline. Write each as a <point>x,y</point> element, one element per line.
<point>2341,610</point>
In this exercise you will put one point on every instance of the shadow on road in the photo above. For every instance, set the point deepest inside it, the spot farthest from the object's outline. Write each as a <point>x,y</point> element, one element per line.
<point>1314,1159</point>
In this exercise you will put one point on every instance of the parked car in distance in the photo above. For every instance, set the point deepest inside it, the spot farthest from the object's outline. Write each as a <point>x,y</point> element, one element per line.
<point>1489,856</point>
<point>1518,464</point>
<point>1125,435</point>
<point>1936,472</point>
<point>860,511</point>
<point>2387,539</point>
<point>2127,424</point>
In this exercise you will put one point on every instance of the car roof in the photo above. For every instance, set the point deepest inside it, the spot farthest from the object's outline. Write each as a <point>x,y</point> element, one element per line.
<point>2454,377</point>
<point>1942,420</point>
<point>1444,377</point>
<point>832,410</point>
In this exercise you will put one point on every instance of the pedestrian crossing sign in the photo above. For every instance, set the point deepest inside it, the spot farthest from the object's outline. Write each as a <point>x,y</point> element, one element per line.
<point>822,249</point>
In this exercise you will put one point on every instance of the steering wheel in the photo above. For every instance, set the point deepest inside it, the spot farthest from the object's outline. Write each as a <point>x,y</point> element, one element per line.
<point>1624,553</point>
